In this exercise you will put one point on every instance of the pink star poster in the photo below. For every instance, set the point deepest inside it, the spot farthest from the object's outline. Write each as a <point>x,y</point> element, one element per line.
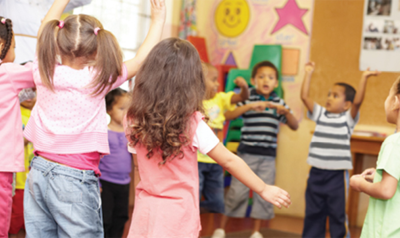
<point>232,27</point>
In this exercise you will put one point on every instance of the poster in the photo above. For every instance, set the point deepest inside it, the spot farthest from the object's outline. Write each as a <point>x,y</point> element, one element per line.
<point>380,43</point>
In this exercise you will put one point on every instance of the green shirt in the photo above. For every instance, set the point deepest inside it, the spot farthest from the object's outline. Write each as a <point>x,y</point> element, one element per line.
<point>383,216</point>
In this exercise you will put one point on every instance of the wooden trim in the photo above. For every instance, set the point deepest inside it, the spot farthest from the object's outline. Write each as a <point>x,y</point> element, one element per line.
<point>23,35</point>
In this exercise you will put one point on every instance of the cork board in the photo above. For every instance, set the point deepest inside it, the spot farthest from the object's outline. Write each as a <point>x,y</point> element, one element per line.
<point>335,48</point>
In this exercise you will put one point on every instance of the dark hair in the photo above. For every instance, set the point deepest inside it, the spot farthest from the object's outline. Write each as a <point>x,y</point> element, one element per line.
<point>349,91</point>
<point>264,64</point>
<point>169,88</point>
<point>6,36</point>
<point>112,96</point>
<point>77,39</point>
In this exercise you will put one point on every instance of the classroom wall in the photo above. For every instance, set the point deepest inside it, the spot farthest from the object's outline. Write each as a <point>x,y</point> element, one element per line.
<point>335,47</point>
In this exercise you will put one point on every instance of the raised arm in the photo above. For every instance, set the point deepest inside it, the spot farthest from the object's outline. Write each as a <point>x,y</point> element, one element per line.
<point>244,91</point>
<point>385,189</point>
<point>305,87</point>
<point>158,13</point>
<point>240,170</point>
<point>54,13</point>
<point>359,97</point>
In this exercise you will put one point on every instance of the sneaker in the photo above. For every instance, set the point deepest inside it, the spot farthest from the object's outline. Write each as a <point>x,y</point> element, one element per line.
<point>218,233</point>
<point>256,235</point>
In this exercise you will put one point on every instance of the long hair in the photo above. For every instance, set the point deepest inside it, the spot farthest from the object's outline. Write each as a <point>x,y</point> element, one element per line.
<point>169,88</point>
<point>75,39</point>
<point>6,36</point>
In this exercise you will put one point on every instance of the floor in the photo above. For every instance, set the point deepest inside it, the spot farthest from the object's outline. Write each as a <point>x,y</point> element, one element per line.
<point>210,222</point>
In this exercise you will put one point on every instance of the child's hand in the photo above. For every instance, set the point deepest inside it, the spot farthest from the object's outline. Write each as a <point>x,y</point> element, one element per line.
<point>367,73</point>
<point>258,106</point>
<point>310,66</point>
<point>355,182</point>
<point>276,196</point>
<point>369,174</point>
<point>158,10</point>
<point>280,109</point>
<point>241,82</point>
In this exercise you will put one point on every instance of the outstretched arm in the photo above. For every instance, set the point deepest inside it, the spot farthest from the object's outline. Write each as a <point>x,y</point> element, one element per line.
<point>305,87</point>
<point>54,13</point>
<point>158,13</point>
<point>385,189</point>
<point>358,99</point>
<point>240,170</point>
<point>244,91</point>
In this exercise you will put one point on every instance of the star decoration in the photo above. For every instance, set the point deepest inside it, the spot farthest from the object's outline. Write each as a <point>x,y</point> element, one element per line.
<point>290,14</point>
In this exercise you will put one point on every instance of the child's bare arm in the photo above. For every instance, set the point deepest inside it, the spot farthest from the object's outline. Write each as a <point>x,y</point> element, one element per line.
<point>244,91</point>
<point>240,170</point>
<point>359,97</point>
<point>369,174</point>
<point>305,87</point>
<point>385,189</point>
<point>158,13</point>
<point>136,176</point>
<point>282,110</point>
<point>256,106</point>
<point>54,13</point>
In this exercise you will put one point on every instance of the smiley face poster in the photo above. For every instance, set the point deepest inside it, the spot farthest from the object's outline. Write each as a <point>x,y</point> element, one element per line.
<point>232,17</point>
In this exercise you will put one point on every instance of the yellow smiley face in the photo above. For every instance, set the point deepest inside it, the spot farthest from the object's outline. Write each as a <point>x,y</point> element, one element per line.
<point>232,17</point>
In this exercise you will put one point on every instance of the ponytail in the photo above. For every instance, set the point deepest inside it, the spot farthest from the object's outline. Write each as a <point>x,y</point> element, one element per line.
<point>108,64</point>
<point>6,34</point>
<point>47,50</point>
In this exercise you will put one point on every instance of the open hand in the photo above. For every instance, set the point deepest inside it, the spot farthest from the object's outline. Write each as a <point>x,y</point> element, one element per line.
<point>369,174</point>
<point>310,66</point>
<point>276,196</point>
<point>158,10</point>
<point>367,73</point>
<point>241,82</point>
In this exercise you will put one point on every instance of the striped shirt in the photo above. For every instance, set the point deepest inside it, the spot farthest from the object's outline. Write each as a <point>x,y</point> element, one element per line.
<point>260,129</point>
<point>330,144</point>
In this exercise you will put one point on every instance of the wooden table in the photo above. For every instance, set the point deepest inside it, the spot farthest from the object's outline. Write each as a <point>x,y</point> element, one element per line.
<point>360,146</point>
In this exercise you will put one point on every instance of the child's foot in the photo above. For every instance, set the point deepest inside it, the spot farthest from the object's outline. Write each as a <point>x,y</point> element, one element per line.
<point>256,235</point>
<point>218,233</point>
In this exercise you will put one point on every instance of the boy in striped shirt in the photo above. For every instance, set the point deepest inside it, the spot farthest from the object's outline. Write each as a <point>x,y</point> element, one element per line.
<point>262,114</point>
<point>329,155</point>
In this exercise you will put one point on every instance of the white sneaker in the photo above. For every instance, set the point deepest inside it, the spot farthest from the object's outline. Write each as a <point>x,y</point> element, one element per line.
<point>218,233</point>
<point>256,235</point>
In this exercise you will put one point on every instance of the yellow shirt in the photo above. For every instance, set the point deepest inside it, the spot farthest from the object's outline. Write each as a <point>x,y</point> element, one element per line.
<point>21,176</point>
<point>215,109</point>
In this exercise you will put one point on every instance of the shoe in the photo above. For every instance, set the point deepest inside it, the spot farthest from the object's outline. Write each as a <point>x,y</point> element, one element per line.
<point>218,233</point>
<point>256,235</point>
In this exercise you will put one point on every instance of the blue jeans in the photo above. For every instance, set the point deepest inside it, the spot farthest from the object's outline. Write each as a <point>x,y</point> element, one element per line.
<point>60,201</point>
<point>211,178</point>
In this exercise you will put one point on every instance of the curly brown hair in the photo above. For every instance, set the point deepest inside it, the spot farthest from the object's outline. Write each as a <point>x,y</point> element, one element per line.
<point>169,88</point>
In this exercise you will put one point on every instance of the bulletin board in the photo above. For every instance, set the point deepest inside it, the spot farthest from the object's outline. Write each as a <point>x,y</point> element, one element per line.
<point>335,48</point>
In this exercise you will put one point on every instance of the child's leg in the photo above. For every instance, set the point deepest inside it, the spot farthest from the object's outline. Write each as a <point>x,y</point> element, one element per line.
<point>108,203</point>
<point>316,207</point>
<point>17,214</point>
<point>213,189</point>
<point>202,167</point>
<point>6,179</point>
<point>337,203</point>
<point>63,198</point>
<point>121,210</point>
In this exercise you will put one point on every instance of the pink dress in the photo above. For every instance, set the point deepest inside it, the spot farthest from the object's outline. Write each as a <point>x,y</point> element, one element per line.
<point>167,197</point>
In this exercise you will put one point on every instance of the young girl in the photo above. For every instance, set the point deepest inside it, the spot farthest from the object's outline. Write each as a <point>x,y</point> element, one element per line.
<point>68,126</point>
<point>165,128</point>
<point>116,167</point>
<point>13,78</point>
<point>383,184</point>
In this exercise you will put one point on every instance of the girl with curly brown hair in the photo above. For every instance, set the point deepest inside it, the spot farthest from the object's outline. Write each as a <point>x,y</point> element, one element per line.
<point>165,128</point>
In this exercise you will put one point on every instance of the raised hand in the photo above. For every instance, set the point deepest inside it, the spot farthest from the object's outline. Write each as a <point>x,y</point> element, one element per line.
<point>367,73</point>
<point>309,67</point>
<point>241,82</point>
<point>158,10</point>
<point>276,196</point>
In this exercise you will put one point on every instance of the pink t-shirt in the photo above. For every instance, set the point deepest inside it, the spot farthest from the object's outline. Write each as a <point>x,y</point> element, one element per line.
<point>13,78</point>
<point>70,121</point>
<point>167,197</point>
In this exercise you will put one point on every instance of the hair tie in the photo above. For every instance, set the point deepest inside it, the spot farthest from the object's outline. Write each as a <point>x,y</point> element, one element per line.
<point>96,30</point>
<point>3,20</point>
<point>61,24</point>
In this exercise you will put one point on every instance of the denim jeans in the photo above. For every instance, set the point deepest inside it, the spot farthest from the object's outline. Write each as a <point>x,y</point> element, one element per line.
<point>211,178</point>
<point>60,201</point>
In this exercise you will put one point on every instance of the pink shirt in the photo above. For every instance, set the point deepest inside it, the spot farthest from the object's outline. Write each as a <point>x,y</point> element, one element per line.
<point>167,197</point>
<point>13,78</point>
<point>70,121</point>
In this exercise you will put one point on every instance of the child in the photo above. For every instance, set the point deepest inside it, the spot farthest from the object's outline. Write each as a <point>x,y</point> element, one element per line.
<point>330,155</point>
<point>13,78</point>
<point>382,184</point>
<point>257,145</point>
<point>68,126</point>
<point>17,227</point>
<point>211,175</point>
<point>116,167</point>
<point>166,129</point>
